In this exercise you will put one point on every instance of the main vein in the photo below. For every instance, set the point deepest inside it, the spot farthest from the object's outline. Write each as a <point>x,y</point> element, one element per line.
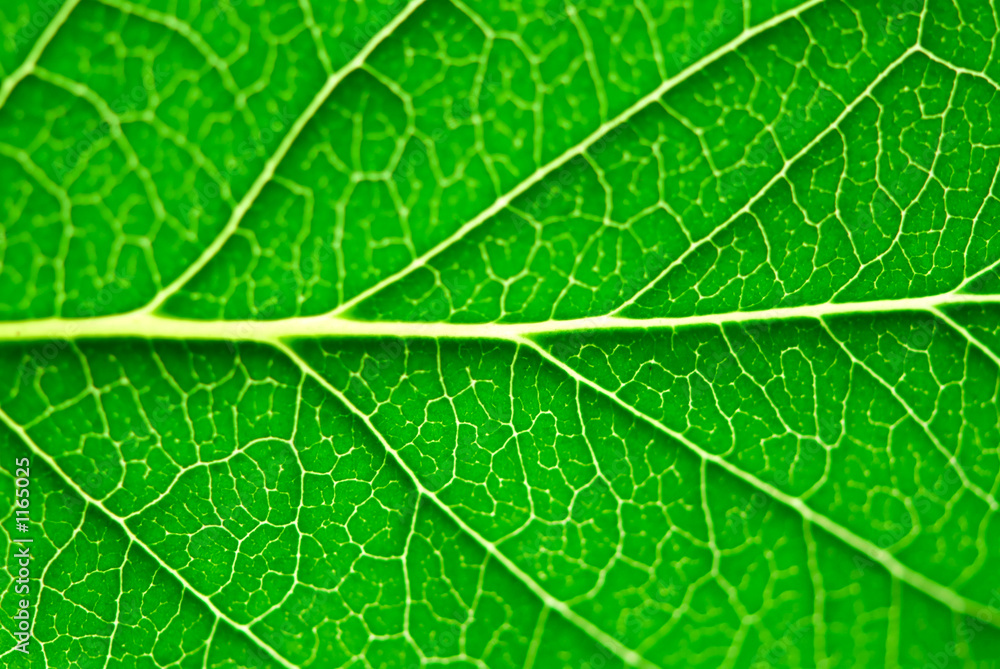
<point>157,326</point>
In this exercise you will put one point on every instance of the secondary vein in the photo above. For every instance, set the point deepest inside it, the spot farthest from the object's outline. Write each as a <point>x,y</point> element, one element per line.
<point>915,579</point>
<point>43,455</point>
<point>538,175</point>
<point>629,656</point>
<point>28,66</point>
<point>271,165</point>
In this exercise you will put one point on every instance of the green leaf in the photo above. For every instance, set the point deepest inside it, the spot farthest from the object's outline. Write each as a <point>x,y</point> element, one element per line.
<point>501,334</point>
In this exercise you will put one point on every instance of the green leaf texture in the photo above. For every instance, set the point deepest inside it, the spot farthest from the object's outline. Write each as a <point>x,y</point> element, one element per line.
<point>491,334</point>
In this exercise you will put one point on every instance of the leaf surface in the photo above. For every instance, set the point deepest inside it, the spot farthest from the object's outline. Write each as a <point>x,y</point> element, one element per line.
<point>491,334</point>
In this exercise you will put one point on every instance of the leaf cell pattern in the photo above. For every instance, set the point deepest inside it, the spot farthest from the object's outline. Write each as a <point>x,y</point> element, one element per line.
<point>493,334</point>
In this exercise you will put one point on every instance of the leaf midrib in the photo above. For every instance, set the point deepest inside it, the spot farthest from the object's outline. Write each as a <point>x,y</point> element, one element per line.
<point>276,333</point>
<point>159,326</point>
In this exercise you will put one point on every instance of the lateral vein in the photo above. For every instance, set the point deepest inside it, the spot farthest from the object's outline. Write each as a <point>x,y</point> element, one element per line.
<point>28,66</point>
<point>271,165</point>
<point>538,175</point>
<point>897,569</point>
<point>628,655</point>
<point>29,442</point>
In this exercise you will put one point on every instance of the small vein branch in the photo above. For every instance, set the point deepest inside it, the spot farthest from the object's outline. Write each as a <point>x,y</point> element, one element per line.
<point>271,165</point>
<point>629,656</point>
<point>38,452</point>
<point>897,569</point>
<point>28,66</point>
<point>504,200</point>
